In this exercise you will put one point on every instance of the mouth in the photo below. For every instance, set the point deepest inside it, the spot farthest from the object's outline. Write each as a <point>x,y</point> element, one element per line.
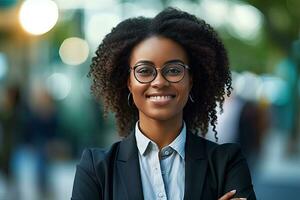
<point>161,98</point>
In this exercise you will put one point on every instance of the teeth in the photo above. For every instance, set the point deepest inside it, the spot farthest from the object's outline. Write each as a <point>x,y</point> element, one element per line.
<point>160,97</point>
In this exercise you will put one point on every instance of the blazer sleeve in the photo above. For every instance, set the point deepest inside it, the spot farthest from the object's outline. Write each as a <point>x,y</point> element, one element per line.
<point>86,186</point>
<point>235,171</point>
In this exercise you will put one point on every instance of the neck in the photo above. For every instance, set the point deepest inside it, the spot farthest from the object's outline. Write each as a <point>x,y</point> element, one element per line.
<point>162,132</point>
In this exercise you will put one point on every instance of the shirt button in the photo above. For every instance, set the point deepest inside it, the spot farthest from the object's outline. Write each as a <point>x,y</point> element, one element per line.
<point>167,152</point>
<point>160,195</point>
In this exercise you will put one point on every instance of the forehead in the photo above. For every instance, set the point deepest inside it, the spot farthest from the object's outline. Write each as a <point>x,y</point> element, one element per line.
<point>158,50</point>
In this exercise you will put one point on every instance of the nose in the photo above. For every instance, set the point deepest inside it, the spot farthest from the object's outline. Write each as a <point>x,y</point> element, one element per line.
<point>159,81</point>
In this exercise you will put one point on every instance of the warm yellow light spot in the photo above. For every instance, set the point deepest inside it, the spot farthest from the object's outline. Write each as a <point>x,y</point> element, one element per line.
<point>38,16</point>
<point>74,51</point>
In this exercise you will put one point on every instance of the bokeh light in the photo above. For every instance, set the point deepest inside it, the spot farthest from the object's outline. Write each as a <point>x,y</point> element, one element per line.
<point>38,16</point>
<point>74,51</point>
<point>135,10</point>
<point>58,85</point>
<point>46,48</point>
<point>99,25</point>
<point>3,66</point>
<point>242,21</point>
<point>245,21</point>
<point>274,89</point>
<point>242,85</point>
<point>84,4</point>
<point>214,12</point>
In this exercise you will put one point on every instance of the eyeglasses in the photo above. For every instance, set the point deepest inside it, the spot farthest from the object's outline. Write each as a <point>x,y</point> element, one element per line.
<point>146,72</point>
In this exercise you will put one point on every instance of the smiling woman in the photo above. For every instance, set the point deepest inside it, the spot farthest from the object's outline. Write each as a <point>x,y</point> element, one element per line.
<point>163,77</point>
<point>161,97</point>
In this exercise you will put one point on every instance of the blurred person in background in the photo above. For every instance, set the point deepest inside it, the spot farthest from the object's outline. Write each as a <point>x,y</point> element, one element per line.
<point>41,129</point>
<point>252,128</point>
<point>163,77</point>
<point>245,122</point>
<point>31,157</point>
<point>10,125</point>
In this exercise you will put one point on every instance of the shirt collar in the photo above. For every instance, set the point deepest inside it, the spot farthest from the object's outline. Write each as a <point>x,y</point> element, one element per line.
<point>141,140</point>
<point>178,144</point>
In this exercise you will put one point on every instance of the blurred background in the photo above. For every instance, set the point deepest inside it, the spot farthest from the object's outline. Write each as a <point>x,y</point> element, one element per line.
<point>48,116</point>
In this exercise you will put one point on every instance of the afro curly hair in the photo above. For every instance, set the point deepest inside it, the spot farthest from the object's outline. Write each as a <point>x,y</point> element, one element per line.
<point>207,59</point>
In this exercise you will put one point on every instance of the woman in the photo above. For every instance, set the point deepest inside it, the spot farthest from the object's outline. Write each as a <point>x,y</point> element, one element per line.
<point>163,78</point>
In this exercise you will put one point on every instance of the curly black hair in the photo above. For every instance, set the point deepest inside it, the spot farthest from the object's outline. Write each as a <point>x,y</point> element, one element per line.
<point>207,59</point>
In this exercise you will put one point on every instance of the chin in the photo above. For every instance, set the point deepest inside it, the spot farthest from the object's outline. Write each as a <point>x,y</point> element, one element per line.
<point>162,115</point>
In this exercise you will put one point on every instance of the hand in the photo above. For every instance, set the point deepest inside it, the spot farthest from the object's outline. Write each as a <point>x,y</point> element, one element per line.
<point>230,194</point>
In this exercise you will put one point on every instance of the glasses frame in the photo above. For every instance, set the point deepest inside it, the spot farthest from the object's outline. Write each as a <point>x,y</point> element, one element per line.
<point>158,69</point>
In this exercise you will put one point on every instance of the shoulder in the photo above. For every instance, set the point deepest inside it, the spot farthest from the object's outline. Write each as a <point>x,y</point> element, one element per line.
<point>97,156</point>
<point>226,151</point>
<point>96,163</point>
<point>104,159</point>
<point>96,170</point>
<point>212,149</point>
<point>218,154</point>
<point>227,168</point>
<point>226,158</point>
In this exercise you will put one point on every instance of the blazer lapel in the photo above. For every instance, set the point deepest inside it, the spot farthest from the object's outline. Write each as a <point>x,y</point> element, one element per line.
<point>195,167</point>
<point>129,168</point>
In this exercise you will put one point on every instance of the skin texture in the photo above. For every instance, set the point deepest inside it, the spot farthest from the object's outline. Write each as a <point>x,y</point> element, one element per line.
<point>159,121</point>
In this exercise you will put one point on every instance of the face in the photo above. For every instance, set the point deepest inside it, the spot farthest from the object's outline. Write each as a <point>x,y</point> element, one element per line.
<point>159,99</point>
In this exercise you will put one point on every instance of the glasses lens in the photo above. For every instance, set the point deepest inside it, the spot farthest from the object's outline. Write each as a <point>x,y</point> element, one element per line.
<point>173,72</point>
<point>144,73</point>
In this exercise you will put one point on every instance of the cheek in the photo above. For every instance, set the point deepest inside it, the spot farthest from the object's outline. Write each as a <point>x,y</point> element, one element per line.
<point>138,90</point>
<point>184,96</point>
<point>185,87</point>
<point>184,93</point>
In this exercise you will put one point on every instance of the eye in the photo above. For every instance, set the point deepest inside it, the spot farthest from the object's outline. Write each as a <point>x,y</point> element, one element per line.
<point>173,70</point>
<point>144,70</point>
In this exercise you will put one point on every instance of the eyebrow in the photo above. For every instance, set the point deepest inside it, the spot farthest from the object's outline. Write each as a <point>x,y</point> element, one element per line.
<point>151,63</point>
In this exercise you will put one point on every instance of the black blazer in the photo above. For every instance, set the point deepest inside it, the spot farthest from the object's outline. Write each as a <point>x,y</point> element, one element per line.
<point>211,170</point>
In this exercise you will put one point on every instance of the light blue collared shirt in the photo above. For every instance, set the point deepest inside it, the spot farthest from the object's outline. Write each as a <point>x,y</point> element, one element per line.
<point>162,172</point>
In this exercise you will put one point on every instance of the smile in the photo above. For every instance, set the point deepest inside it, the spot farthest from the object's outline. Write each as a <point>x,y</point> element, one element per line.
<point>160,97</point>
<point>160,100</point>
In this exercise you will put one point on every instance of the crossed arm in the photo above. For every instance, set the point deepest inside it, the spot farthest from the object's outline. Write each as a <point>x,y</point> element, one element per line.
<point>229,195</point>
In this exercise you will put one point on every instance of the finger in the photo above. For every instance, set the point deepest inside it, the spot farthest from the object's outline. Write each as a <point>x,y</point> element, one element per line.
<point>228,195</point>
<point>239,199</point>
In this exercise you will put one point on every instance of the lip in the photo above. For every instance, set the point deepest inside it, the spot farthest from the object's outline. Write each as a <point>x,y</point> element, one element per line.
<point>160,94</point>
<point>160,99</point>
